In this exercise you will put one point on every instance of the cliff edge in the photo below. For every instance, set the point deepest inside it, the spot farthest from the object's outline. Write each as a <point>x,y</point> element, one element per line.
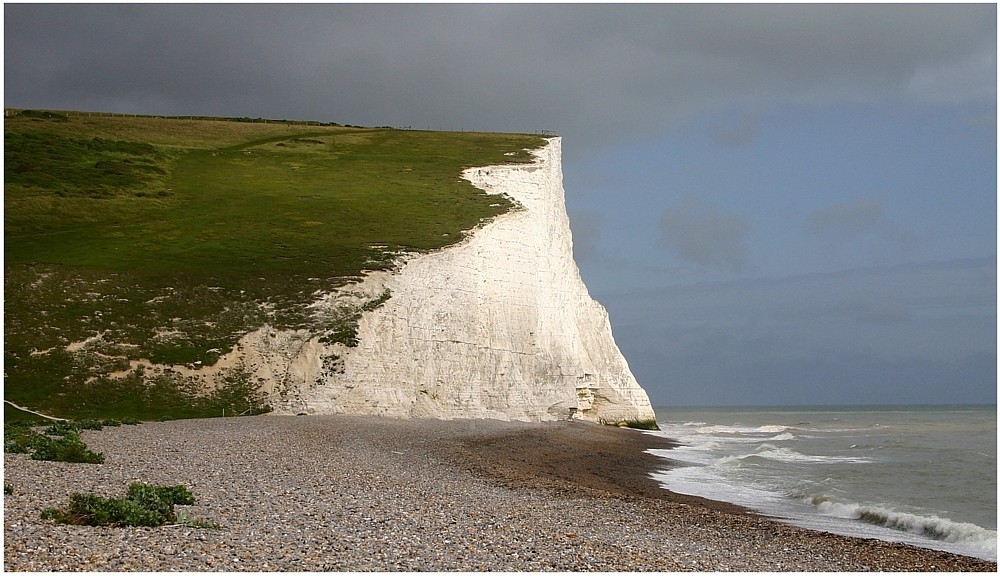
<point>498,326</point>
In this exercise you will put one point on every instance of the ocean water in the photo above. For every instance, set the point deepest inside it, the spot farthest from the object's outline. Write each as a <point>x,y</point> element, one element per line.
<point>922,475</point>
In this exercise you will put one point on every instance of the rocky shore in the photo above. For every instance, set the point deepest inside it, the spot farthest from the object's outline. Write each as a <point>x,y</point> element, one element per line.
<point>348,493</point>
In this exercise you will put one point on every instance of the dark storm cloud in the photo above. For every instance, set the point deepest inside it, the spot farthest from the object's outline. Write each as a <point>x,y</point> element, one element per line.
<point>591,70</point>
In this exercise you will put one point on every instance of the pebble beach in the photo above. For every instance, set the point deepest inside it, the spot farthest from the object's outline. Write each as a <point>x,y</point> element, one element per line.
<point>352,493</point>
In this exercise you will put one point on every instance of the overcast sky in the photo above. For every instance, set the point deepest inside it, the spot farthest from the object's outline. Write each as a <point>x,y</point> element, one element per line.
<point>778,204</point>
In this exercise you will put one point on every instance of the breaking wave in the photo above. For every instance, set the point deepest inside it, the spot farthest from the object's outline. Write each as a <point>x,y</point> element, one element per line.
<point>926,475</point>
<point>737,430</point>
<point>933,527</point>
<point>780,454</point>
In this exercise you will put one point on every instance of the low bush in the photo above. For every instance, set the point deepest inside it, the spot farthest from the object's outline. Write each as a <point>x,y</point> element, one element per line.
<point>19,438</point>
<point>67,448</point>
<point>143,505</point>
<point>60,442</point>
<point>61,428</point>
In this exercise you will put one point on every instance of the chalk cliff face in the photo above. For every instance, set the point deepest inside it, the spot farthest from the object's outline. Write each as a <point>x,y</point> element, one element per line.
<point>497,326</point>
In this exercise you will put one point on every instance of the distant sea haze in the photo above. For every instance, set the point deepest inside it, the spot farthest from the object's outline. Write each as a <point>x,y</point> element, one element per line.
<point>924,475</point>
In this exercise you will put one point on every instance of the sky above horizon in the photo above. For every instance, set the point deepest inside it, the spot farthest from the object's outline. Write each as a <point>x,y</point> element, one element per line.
<point>778,204</point>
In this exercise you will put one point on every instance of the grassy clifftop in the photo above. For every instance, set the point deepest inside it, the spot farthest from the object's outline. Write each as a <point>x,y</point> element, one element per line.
<point>168,239</point>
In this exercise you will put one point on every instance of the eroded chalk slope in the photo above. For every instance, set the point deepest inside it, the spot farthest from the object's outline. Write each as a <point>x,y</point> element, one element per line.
<point>498,326</point>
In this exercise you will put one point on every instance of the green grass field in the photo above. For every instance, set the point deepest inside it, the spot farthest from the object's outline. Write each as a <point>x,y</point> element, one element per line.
<point>169,239</point>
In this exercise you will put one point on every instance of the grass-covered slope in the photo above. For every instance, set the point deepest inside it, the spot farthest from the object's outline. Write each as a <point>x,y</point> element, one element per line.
<point>168,239</point>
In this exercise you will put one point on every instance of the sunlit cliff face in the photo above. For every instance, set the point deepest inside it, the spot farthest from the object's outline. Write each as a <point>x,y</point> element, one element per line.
<point>497,326</point>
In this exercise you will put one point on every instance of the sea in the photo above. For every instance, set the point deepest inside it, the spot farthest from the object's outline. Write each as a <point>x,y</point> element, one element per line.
<point>923,475</point>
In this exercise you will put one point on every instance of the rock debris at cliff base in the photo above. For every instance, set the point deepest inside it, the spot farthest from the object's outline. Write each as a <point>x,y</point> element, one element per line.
<point>359,493</point>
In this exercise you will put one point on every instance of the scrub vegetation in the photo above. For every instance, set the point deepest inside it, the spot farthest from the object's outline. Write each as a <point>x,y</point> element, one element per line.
<point>132,240</point>
<point>58,442</point>
<point>143,505</point>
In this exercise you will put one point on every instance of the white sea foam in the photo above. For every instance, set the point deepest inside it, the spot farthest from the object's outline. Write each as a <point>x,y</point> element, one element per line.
<point>772,452</point>
<point>780,454</point>
<point>929,488</point>
<point>930,526</point>
<point>736,430</point>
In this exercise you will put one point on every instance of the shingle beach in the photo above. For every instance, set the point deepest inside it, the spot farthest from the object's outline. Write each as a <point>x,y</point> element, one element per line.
<point>349,493</point>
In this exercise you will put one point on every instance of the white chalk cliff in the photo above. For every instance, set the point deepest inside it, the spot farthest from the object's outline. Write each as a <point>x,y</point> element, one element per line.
<point>499,325</point>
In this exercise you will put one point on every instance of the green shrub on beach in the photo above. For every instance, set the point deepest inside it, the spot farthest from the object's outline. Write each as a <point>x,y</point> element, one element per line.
<point>19,438</point>
<point>67,448</point>
<point>59,442</point>
<point>62,428</point>
<point>143,505</point>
